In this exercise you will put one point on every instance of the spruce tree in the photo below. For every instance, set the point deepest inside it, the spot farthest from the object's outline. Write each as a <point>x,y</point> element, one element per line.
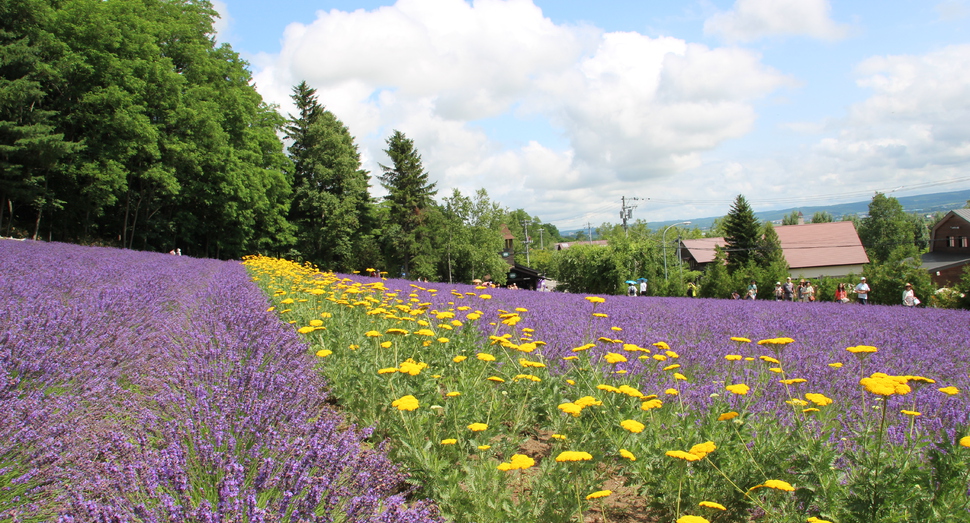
<point>330,201</point>
<point>409,196</point>
<point>741,234</point>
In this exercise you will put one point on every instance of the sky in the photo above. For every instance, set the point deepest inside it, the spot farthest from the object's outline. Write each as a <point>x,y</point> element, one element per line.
<point>566,108</point>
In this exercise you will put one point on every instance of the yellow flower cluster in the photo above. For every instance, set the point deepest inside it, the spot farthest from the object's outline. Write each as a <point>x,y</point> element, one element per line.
<point>883,384</point>
<point>696,453</point>
<point>408,402</point>
<point>571,455</point>
<point>517,462</point>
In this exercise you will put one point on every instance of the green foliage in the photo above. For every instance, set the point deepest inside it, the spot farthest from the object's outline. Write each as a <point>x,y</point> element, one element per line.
<point>792,218</point>
<point>716,281</point>
<point>886,229</point>
<point>741,234</point>
<point>178,148</point>
<point>590,269</point>
<point>822,217</point>
<point>888,277</point>
<point>409,196</point>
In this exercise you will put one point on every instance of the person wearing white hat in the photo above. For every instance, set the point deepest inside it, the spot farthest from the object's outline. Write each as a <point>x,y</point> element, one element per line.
<point>862,291</point>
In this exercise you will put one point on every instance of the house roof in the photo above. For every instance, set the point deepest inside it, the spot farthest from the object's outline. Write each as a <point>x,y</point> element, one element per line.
<point>702,249</point>
<point>937,261</point>
<point>804,246</point>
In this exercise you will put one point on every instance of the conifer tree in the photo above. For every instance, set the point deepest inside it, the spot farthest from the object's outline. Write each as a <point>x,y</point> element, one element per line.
<point>741,234</point>
<point>409,197</point>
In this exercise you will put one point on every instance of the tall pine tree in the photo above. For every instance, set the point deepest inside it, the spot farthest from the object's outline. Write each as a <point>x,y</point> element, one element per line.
<point>741,234</point>
<point>409,196</point>
<point>330,201</point>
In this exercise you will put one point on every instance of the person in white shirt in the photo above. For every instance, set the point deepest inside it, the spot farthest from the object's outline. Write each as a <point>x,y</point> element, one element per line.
<point>862,291</point>
<point>909,297</point>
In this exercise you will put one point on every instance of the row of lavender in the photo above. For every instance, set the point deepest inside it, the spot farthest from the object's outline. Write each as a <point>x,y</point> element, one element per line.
<point>147,387</point>
<point>934,343</point>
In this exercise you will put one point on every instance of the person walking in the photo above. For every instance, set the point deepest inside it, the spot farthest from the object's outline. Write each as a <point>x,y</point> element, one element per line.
<point>753,290</point>
<point>862,291</point>
<point>643,286</point>
<point>909,297</point>
<point>789,289</point>
<point>779,291</point>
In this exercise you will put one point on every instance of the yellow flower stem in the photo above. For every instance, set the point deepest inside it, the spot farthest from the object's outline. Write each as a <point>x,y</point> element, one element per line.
<point>748,450</point>
<point>579,504</point>
<point>875,480</point>
<point>746,493</point>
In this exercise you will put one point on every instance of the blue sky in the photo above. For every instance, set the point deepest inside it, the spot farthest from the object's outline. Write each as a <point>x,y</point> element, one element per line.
<point>562,107</point>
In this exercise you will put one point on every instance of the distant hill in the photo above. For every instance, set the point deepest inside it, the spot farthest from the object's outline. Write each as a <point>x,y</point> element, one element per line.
<point>923,203</point>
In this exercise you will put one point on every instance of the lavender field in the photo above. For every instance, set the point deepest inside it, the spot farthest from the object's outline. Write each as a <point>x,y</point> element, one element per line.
<point>148,387</point>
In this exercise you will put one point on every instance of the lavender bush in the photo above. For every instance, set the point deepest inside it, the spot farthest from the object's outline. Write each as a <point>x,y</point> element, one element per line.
<point>147,387</point>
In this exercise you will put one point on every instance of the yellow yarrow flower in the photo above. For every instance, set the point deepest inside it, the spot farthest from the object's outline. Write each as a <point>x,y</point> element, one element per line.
<point>450,441</point>
<point>558,436</point>
<point>386,345</point>
<point>614,358</point>
<point>818,399</point>
<point>453,394</point>
<point>836,365</point>
<point>651,404</point>
<point>587,401</point>
<point>776,484</point>
<point>733,357</point>
<point>703,449</point>
<point>323,353</point>
<point>727,416</point>
<point>624,453</point>
<point>496,379</point>
<point>633,426</point>
<point>518,462</point>
<point>911,413</point>
<point>408,402</point>
<point>595,299</point>
<point>484,356</point>
<point>965,441</point>
<point>952,391</point>
<point>692,519</point>
<point>862,349</point>
<point>572,455</point>
<point>477,427</point>
<point>599,494</point>
<point>711,504</point>
<point>885,385</point>
<point>738,388</point>
<point>687,456</point>
<point>740,339</point>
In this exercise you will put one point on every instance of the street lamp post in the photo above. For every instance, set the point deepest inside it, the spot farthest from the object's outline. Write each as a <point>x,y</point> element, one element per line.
<point>664,241</point>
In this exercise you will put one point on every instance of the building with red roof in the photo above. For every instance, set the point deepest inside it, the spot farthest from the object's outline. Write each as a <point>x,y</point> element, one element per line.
<point>811,250</point>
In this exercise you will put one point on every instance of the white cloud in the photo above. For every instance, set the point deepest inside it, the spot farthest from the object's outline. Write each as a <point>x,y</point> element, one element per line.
<point>630,108</point>
<point>223,23</point>
<point>751,20</point>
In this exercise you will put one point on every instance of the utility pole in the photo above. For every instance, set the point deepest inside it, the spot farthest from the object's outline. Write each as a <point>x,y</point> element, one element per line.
<point>527,241</point>
<point>626,212</point>
<point>589,229</point>
<point>542,244</point>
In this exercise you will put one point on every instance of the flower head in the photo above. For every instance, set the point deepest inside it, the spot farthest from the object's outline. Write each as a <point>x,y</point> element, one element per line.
<point>408,402</point>
<point>627,454</point>
<point>477,427</point>
<point>449,441</point>
<point>727,416</point>
<point>738,388</point>
<point>633,426</point>
<point>776,484</point>
<point>599,494</point>
<point>711,504</point>
<point>572,455</point>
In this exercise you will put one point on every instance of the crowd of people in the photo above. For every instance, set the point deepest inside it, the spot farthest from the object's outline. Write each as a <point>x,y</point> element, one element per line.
<point>804,291</point>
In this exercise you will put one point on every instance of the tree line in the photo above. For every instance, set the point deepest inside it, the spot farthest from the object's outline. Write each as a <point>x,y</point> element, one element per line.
<point>122,123</point>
